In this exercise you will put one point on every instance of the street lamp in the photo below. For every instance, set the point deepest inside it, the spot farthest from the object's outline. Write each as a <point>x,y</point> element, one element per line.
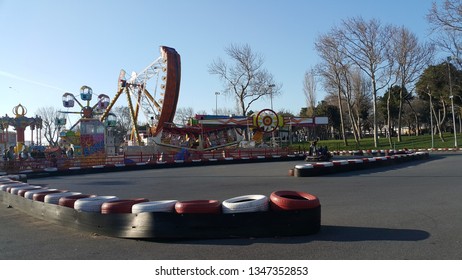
<point>271,97</point>
<point>216,102</point>
<point>271,94</point>
<point>431,114</point>
<point>451,96</point>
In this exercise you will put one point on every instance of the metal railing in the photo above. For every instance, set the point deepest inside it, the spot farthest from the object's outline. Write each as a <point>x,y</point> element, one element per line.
<point>63,163</point>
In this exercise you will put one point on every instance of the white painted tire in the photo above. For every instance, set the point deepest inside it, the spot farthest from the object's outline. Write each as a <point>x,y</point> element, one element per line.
<point>6,186</point>
<point>92,204</point>
<point>51,169</point>
<point>53,198</point>
<point>15,190</point>
<point>30,194</point>
<point>155,206</point>
<point>4,179</point>
<point>246,203</point>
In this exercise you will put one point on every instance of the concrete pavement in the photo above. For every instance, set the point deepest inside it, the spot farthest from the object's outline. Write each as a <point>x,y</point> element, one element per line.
<point>408,211</point>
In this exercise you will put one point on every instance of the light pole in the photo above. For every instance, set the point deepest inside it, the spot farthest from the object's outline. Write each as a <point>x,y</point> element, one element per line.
<point>271,94</point>
<point>431,115</point>
<point>452,103</point>
<point>271,98</point>
<point>216,102</point>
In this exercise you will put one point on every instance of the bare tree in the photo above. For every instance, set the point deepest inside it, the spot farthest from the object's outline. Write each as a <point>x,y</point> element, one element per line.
<point>351,77</point>
<point>309,89</point>
<point>123,125</point>
<point>330,69</point>
<point>225,111</point>
<point>448,16</point>
<point>446,23</point>
<point>182,115</point>
<point>366,45</point>
<point>361,87</point>
<point>411,59</point>
<point>51,127</point>
<point>245,79</point>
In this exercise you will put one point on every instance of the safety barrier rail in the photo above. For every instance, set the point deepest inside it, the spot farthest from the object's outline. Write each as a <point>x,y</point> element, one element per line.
<point>63,163</point>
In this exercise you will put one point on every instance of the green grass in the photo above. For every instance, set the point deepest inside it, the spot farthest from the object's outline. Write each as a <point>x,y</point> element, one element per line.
<point>409,142</point>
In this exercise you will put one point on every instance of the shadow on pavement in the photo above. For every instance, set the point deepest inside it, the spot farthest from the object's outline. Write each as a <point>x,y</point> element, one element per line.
<point>327,233</point>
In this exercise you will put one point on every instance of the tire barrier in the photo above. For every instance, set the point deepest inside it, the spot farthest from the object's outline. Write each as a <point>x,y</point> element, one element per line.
<point>246,203</point>
<point>325,168</point>
<point>12,177</point>
<point>243,216</point>
<point>69,201</point>
<point>41,195</point>
<point>292,200</point>
<point>5,186</point>
<point>22,192</point>
<point>92,204</point>
<point>4,180</point>
<point>198,207</point>
<point>16,190</point>
<point>54,198</point>
<point>120,206</point>
<point>154,206</point>
<point>30,194</point>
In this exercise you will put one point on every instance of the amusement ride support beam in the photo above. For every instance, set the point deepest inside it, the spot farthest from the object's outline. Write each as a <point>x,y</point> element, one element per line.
<point>108,109</point>
<point>132,114</point>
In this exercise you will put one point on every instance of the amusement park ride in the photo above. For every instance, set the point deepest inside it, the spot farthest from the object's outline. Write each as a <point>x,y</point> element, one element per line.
<point>91,139</point>
<point>19,123</point>
<point>157,102</point>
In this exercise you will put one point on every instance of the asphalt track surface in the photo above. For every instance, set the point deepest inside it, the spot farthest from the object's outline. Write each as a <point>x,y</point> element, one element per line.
<point>407,211</point>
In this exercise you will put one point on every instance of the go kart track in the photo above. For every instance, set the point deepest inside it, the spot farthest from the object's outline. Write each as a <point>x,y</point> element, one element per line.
<point>405,211</point>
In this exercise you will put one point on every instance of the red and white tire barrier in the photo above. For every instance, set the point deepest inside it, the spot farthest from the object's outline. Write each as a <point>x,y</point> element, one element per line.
<point>92,204</point>
<point>323,168</point>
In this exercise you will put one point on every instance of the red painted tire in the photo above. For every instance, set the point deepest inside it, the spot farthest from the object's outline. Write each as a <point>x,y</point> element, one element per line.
<point>23,191</point>
<point>292,200</point>
<point>120,206</point>
<point>69,201</point>
<point>198,207</point>
<point>41,196</point>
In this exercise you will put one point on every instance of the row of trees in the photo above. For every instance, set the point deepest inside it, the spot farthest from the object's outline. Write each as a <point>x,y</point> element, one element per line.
<point>376,75</point>
<point>360,59</point>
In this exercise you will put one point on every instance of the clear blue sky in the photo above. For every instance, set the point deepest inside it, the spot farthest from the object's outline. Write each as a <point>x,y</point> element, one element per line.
<point>49,47</point>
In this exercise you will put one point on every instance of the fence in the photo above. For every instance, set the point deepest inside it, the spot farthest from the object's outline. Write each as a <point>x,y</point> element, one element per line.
<point>29,165</point>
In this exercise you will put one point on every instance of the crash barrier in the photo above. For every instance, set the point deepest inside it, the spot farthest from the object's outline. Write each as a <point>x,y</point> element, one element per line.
<point>387,152</point>
<point>336,166</point>
<point>283,213</point>
<point>38,169</point>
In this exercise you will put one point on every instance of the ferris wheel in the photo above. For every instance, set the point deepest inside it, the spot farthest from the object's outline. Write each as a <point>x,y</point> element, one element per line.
<point>157,102</point>
<point>87,111</point>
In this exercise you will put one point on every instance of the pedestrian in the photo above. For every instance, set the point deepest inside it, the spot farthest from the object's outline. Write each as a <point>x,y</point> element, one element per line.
<point>11,156</point>
<point>70,153</point>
